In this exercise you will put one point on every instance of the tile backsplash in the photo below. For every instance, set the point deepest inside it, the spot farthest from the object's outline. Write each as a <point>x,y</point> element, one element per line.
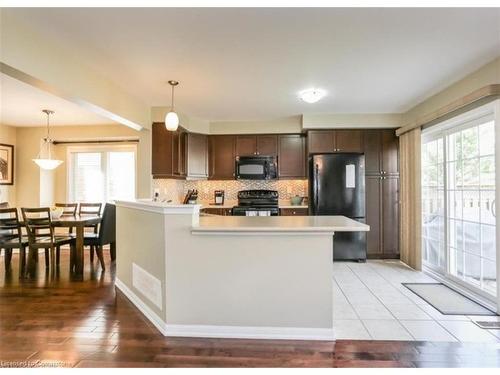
<point>176,189</point>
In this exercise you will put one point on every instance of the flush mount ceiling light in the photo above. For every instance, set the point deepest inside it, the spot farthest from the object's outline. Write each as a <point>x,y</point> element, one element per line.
<point>44,159</point>
<point>171,119</point>
<point>312,95</point>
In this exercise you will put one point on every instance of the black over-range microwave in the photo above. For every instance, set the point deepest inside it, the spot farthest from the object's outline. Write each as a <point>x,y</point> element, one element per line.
<point>256,168</point>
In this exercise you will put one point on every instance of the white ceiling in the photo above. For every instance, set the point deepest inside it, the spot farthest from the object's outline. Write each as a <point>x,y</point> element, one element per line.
<point>250,63</point>
<point>22,104</point>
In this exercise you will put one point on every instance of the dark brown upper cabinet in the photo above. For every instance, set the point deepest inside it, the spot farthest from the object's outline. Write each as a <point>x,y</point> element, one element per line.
<point>221,149</point>
<point>197,155</point>
<point>381,152</point>
<point>161,153</point>
<point>267,145</point>
<point>249,145</point>
<point>168,152</point>
<point>179,153</point>
<point>291,156</point>
<point>319,141</point>
<point>246,145</point>
<point>348,141</point>
<point>322,141</point>
<point>390,152</point>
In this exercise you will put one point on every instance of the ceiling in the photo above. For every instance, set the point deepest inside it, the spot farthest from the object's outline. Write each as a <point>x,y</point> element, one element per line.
<point>22,104</point>
<point>250,63</point>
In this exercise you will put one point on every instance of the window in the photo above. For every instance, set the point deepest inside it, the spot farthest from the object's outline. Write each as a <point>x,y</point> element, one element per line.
<point>458,201</point>
<point>101,174</point>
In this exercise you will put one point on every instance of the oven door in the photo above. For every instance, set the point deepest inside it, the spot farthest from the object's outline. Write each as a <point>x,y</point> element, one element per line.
<point>255,211</point>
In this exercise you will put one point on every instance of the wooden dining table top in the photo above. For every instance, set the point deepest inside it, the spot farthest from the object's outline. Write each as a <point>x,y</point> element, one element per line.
<point>73,221</point>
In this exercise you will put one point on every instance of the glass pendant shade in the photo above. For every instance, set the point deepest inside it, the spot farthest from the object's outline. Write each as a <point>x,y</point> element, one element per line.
<point>172,121</point>
<point>48,164</point>
<point>44,158</point>
<point>171,118</point>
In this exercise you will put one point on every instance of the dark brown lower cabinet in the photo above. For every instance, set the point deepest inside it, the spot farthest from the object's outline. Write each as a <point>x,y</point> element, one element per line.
<point>373,215</point>
<point>390,217</point>
<point>382,215</point>
<point>299,211</point>
<point>221,211</point>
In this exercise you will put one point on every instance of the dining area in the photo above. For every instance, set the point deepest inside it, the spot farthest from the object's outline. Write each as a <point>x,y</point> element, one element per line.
<point>69,228</point>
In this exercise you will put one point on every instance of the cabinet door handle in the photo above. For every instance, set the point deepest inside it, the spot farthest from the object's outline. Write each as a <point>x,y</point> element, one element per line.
<point>316,187</point>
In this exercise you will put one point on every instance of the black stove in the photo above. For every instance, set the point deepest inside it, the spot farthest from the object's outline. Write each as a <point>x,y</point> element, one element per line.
<point>257,203</point>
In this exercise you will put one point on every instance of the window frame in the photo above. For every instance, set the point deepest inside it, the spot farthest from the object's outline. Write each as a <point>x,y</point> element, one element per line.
<point>102,149</point>
<point>469,119</point>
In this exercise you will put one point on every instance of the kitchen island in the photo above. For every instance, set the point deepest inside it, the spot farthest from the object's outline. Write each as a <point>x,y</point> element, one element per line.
<point>238,277</point>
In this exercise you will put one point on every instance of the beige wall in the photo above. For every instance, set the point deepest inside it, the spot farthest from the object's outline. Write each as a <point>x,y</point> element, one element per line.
<point>62,72</point>
<point>29,179</point>
<point>8,192</point>
<point>486,75</point>
<point>191,123</point>
<point>292,124</point>
<point>351,120</point>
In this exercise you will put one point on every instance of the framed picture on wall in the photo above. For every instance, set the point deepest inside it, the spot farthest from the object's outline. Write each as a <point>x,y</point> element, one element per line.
<point>6,164</point>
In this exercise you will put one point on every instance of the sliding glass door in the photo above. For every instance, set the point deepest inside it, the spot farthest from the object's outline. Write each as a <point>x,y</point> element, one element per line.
<point>458,202</point>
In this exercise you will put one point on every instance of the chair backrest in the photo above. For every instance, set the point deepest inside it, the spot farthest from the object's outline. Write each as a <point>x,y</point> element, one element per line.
<point>10,228</point>
<point>4,204</point>
<point>90,209</point>
<point>38,224</point>
<point>107,229</point>
<point>69,209</point>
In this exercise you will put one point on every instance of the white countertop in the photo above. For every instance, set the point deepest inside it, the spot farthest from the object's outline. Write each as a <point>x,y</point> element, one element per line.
<point>278,224</point>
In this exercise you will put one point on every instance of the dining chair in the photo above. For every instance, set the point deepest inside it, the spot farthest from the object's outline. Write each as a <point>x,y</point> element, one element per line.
<point>41,235</point>
<point>11,237</point>
<point>69,209</point>
<point>106,234</point>
<point>91,209</point>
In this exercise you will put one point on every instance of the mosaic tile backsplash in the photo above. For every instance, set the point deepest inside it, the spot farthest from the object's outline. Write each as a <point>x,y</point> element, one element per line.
<point>176,189</point>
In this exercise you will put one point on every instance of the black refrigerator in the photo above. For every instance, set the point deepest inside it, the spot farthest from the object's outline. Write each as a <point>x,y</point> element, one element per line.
<point>337,187</point>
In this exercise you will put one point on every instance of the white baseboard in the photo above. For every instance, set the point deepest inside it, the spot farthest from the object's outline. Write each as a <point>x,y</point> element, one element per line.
<point>142,307</point>
<point>245,332</point>
<point>233,332</point>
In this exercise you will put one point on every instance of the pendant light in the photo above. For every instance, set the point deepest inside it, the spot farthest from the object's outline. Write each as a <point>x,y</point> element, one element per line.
<point>44,159</point>
<point>171,119</point>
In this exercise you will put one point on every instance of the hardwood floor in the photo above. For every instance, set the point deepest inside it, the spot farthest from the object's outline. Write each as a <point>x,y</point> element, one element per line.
<point>54,321</point>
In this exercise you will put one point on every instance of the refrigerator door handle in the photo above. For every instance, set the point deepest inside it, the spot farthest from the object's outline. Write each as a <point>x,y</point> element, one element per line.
<point>316,172</point>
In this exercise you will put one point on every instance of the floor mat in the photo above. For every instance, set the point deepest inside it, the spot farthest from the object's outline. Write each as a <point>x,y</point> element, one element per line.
<point>446,300</point>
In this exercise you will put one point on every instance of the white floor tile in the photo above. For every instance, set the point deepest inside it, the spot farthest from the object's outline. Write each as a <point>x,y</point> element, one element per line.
<point>350,330</point>
<point>373,311</point>
<point>484,318</point>
<point>495,332</point>
<point>468,331</point>
<point>343,311</point>
<point>436,315</point>
<point>370,301</point>
<point>427,330</point>
<point>408,312</point>
<point>394,299</point>
<point>387,330</point>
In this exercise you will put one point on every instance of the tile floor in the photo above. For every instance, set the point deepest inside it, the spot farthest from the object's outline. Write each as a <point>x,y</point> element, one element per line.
<point>369,302</point>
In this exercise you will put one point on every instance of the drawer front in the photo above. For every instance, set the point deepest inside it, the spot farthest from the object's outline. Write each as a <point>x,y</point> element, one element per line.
<point>300,211</point>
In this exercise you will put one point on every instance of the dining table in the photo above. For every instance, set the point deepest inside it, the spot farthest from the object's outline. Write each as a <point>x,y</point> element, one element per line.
<point>79,222</point>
